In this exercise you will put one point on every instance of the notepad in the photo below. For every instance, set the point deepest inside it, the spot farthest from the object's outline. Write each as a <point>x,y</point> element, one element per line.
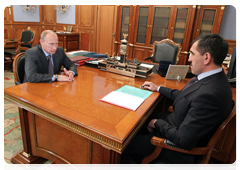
<point>127,97</point>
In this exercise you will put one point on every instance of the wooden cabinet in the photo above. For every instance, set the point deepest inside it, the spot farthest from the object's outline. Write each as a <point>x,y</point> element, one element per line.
<point>106,26</point>
<point>181,23</point>
<point>69,42</point>
<point>208,19</point>
<point>125,23</point>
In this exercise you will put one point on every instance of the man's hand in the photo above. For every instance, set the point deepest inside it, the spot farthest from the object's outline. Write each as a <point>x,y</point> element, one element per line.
<point>151,125</point>
<point>150,86</point>
<point>64,78</point>
<point>69,74</point>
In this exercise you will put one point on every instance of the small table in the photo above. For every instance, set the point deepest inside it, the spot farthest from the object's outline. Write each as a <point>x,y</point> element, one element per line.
<point>10,44</point>
<point>69,41</point>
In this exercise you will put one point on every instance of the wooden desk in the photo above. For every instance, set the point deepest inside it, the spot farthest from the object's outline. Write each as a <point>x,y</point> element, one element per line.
<point>65,122</point>
<point>69,41</point>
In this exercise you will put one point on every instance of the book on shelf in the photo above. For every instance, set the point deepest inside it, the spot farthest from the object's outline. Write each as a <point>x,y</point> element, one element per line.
<point>127,97</point>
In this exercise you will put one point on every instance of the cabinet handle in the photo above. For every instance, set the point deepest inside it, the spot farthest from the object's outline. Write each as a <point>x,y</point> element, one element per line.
<point>130,44</point>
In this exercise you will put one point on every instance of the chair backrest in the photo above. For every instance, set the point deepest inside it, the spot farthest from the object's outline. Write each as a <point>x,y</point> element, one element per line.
<point>26,37</point>
<point>26,40</point>
<point>166,50</point>
<point>18,68</point>
<point>218,133</point>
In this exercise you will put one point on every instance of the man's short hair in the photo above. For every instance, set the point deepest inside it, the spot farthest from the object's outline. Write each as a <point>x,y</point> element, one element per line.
<point>45,33</point>
<point>215,45</point>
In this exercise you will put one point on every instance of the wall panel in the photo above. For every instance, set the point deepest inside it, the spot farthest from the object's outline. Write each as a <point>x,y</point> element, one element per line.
<point>86,15</point>
<point>49,15</point>
<point>85,23</point>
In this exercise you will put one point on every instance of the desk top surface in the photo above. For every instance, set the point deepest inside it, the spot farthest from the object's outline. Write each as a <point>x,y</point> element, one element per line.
<point>78,102</point>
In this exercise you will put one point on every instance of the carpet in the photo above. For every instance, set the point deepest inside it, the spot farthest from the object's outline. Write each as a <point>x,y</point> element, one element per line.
<point>12,129</point>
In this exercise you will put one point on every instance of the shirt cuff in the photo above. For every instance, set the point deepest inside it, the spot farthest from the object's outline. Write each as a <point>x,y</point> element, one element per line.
<point>53,78</point>
<point>72,72</point>
<point>158,88</point>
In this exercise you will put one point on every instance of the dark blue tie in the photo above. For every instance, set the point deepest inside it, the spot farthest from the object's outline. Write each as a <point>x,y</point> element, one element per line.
<point>190,82</point>
<point>50,66</point>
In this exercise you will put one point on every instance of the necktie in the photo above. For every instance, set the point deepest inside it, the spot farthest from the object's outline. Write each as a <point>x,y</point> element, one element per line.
<point>190,82</point>
<point>50,66</point>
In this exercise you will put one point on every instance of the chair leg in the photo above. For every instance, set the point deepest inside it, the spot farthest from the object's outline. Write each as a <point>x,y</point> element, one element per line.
<point>8,61</point>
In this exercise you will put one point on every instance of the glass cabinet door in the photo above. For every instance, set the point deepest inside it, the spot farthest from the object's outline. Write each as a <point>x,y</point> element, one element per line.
<point>160,23</point>
<point>125,21</point>
<point>142,24</point>
<point>180,25</point>
<point>207,21</point>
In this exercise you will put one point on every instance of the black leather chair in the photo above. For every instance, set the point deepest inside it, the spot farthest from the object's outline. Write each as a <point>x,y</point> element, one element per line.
<point>152,162</point>
<point>24,43</point>
<point>165,50</point>
<point>18,68</point>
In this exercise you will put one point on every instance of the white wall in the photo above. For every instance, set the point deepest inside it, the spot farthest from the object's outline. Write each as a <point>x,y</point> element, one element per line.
<point>228,26</point>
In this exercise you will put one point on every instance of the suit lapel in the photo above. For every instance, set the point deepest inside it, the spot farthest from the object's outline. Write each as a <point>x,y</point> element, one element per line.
<point>190,89</point>
<point>198,84</point>
<point>43,59</point>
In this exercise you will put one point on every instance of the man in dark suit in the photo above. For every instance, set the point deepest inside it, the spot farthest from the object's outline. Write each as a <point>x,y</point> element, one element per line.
<point>198,109</point>
<point>43,62</point>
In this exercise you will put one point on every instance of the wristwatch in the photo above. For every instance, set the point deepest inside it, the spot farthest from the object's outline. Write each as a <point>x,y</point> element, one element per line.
<point>55,77</point>
<point>154,122</point>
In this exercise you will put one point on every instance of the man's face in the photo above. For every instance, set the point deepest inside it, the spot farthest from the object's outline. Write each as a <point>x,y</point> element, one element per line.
<point>50,43</point>
<point>196,59</point>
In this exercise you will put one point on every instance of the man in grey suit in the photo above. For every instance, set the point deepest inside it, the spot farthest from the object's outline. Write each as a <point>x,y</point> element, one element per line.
<point>43,62</point>
<point>198,109</point>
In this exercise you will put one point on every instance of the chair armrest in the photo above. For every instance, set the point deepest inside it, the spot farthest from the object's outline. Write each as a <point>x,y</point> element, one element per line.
<point>164,143</point>
<point>26,42</point>
<point>17,83</point>
<point>23,43</point>
<point>154,155</point>
<point>148,58</point>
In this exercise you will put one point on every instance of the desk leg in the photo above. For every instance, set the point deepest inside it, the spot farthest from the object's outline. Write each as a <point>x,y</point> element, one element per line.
<point>110,156</point>
<point>25,156</point>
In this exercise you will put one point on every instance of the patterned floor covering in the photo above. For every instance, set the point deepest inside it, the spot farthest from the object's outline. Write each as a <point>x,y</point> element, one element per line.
<point>12,129</point>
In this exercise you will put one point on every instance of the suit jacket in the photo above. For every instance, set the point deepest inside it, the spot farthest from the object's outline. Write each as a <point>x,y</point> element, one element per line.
<point>198,112</point>
<point>36,64</point>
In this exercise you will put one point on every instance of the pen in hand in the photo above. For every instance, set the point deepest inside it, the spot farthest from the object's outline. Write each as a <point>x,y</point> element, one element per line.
<point>143,86</point>
<point>149,85</point>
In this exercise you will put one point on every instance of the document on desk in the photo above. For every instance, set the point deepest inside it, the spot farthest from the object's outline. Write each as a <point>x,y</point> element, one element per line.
<point>127,97</point>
